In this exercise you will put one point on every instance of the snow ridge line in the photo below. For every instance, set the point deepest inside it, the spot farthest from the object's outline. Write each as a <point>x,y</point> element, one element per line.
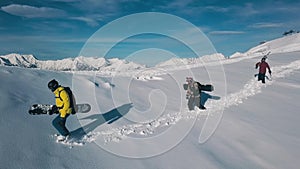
<point>215,109</point>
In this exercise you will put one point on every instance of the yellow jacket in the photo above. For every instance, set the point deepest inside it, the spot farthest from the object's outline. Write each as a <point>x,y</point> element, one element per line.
<point>62,101</point>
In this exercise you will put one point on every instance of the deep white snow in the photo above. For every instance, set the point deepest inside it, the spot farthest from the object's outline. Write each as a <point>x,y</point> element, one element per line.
<point>139,117</point>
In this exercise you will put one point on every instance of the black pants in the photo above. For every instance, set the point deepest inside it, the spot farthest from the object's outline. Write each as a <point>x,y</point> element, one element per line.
<point>193,101</point>
<point>262,77</point>
<point>60,125</point>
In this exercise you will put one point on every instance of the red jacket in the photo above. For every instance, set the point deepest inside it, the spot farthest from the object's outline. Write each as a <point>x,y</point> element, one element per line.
<point>263,67</point>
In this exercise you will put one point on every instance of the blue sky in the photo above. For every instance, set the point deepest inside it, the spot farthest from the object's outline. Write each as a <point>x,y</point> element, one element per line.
<point>55,29</point>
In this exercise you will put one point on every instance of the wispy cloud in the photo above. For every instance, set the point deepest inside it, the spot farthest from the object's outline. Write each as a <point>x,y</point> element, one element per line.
<point>92,12</point>
<point>226,32</point>
<point>89,20</point>
<point>249,9</point>
<point>101,6</point>
<point>217,9</point>
<point>179,6</point>
<point>266,25</point>
<point>66,0</point>
<point>46,12</point>
<point>33,12</point>
<point>41,38</point>
<point>176,4</point>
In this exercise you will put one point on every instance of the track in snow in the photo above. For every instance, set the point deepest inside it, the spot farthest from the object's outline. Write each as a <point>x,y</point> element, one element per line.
<point>213,115</point>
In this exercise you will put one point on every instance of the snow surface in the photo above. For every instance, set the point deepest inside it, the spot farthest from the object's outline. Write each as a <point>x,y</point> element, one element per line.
<point>139,119</point>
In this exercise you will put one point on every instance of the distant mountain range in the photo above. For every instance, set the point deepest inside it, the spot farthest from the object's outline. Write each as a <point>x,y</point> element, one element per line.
<point>285,44</point>
<point>93,64</point>
<point>69,64</point>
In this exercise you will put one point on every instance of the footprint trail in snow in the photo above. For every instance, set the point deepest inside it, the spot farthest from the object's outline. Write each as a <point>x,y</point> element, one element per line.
<point>213,114</point>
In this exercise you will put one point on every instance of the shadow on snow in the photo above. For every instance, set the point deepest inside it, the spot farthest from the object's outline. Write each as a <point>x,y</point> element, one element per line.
<point>99,119</point>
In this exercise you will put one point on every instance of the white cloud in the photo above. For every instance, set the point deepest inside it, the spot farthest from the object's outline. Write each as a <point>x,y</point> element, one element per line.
<point>45,12</point>
<point>65,0</point>
<point>88,20</point>
<point>41,38</point>
<point>249,9</point>
<point>266,25</point>
<point>32,12</point>
<point>226,32</point>
<point>217,9</point>
<point>102,6</point>
<point>179,4</point>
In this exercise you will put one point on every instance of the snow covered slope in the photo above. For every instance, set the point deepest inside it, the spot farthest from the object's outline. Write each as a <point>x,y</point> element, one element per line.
<point>289,43</point>
<point>129,116</point>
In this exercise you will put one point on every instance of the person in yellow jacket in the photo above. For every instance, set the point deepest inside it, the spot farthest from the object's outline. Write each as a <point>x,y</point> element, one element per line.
<point>63,103</point>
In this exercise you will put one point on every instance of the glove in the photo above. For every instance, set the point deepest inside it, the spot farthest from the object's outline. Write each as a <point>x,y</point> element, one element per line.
<point>270,72</point>
<point>54,110</point>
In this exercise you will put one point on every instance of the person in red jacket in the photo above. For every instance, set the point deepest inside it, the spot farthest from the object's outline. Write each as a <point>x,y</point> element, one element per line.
<point>263,65</point>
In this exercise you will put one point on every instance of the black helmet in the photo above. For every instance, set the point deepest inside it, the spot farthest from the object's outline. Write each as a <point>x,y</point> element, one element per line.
<point>53,85</point>
<point>264,58</point>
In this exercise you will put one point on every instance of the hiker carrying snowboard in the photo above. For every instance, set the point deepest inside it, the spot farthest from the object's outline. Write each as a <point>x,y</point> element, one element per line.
<point>63,102</point>
<point>193,94</point>
<point>263,65</point>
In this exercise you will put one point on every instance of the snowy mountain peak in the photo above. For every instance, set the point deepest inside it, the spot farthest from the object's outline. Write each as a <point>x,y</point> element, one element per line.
<point>191,61</point>
<point>28,61</point>
<point>79,63</point>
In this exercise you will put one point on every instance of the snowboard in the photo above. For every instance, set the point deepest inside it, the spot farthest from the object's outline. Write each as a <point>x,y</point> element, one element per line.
<point>267,77</point>
<point>37,109</point>
<point>207,87</point>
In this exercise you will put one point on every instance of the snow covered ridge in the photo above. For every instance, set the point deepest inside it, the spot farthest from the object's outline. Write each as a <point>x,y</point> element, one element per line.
<point>290,43</point>
<point>70,64</point>
<point>192,61</point>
